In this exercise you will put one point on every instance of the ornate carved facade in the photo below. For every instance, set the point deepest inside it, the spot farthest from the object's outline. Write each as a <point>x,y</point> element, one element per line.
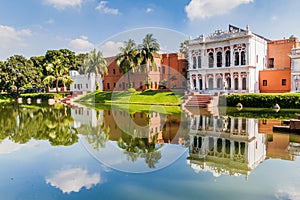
<point>226,61</point>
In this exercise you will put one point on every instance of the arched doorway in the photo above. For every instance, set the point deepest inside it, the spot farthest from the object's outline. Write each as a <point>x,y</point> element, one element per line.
<point>236,83</point>
<point>244,83</point>
<point>219,83</point>
<point>210,83</point>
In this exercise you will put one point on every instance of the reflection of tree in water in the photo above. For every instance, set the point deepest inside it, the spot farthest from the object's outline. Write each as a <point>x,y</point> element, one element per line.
<point>135,147</point>
<point>21,124</point>
<point>97,136</point>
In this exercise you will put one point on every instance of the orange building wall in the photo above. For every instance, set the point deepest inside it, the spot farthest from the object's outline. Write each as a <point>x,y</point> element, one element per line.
<point>274,81</point>
<point>280,50</point>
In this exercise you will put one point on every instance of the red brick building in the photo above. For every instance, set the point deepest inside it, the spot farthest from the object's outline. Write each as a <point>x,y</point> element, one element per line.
<point>170,73</point>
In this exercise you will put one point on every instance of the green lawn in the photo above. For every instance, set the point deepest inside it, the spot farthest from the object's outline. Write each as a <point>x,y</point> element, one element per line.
<point>148,97</point>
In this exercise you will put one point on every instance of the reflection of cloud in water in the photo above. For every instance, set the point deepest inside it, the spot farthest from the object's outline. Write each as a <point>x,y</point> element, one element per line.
<point>72,180</point>
<point>206,168</point>
<point>7,146</point>
<point>288,192</point>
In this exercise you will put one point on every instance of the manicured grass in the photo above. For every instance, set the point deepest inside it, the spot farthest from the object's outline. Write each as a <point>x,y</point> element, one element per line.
<point>147,97</point>
<point>133,108</point>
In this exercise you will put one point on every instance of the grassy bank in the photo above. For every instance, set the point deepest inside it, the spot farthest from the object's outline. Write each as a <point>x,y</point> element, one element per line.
<point>148,97</point>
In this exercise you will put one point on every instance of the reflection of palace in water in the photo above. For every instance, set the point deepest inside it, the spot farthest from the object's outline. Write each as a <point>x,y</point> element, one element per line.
<point>235,146</point>
<point>85,116</point>
<point>225,145</point>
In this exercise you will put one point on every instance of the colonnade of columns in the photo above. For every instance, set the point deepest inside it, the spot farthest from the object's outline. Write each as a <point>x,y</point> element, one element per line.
<point>237,81</point>
<point>219,147</point>
<point>237,126</point>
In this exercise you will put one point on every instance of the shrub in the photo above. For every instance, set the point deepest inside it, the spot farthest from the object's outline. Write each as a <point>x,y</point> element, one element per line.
<point>264,100</point>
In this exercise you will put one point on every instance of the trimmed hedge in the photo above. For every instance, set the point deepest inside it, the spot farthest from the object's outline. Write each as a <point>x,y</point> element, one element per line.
<point>288,100</point>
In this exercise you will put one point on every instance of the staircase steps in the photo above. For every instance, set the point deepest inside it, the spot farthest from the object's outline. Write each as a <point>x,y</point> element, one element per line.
<point>198,100</point>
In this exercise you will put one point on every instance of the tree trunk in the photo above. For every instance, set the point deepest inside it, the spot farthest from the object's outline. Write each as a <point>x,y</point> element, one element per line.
<point>56,85</point>
<point>96,81</point>
<point>129,82</point>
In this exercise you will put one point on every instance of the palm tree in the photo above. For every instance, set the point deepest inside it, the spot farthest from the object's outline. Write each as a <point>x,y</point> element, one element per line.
<point>184,48</point>
<point>57,72</point>
<point>95,63</point>
<point>128,58</point>
<point>148,50</point>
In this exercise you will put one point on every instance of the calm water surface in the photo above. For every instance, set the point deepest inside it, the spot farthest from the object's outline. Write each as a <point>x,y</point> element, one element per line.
<point>80,153</point>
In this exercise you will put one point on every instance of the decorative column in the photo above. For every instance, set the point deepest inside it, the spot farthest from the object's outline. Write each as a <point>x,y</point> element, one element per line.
<point>197,81</point>
<point>223,58</point>
<point>197,122</point>
<point>231,56</point>
<point>240,82</point>
<point>215,59</point>
<point>204,81</point>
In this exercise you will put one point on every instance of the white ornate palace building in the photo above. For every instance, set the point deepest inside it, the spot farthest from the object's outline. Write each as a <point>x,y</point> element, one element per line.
<point>295,70</point>
<point>227,61</point>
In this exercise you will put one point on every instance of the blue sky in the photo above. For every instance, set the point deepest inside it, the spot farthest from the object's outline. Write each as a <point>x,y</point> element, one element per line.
<point>33,26</point>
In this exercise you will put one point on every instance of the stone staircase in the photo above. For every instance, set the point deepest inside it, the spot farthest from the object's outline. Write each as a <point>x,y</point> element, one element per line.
<point>68,100</point>
<point>198,100</point>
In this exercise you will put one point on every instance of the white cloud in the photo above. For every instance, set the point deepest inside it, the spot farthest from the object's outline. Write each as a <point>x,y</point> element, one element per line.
<point>291,192</point>
<point>103,8</point>
<point>81,45</point>
<point>149,10</point>
<point>110,48</point>
<point>73,180</point>
<point>207,8</point>
<point>12,38</point>
<point>50,21</point>
<point>62,4</point>
<point>274,18</point>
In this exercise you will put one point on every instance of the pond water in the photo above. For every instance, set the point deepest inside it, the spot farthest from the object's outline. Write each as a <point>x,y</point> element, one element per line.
<point>79,153</point>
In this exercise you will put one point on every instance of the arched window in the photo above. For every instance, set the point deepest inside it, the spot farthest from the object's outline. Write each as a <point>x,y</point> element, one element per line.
<point>236,83</point>
<point>244,84</point>
<point>199,61</point>
<point>219,83</point>
<point>236,58</point>
<point>210,83</point>
<point>211,60</point>
<point>201,85</point>
<point>194,81</point>
<point>219,59</point>
<point>227,58</point>
<point>243,58</point>
<point>194,62</point>
<point>228,80</point>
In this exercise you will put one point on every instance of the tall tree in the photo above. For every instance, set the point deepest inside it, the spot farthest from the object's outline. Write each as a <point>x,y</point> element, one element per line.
<point>95,63</point>
<point>183,48</point>
<point>4,76</point>
<point>128,58</point>
<point>79,62</point>
<point>37,71</point>
<point>148,50</point>
<point>20,72</point>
